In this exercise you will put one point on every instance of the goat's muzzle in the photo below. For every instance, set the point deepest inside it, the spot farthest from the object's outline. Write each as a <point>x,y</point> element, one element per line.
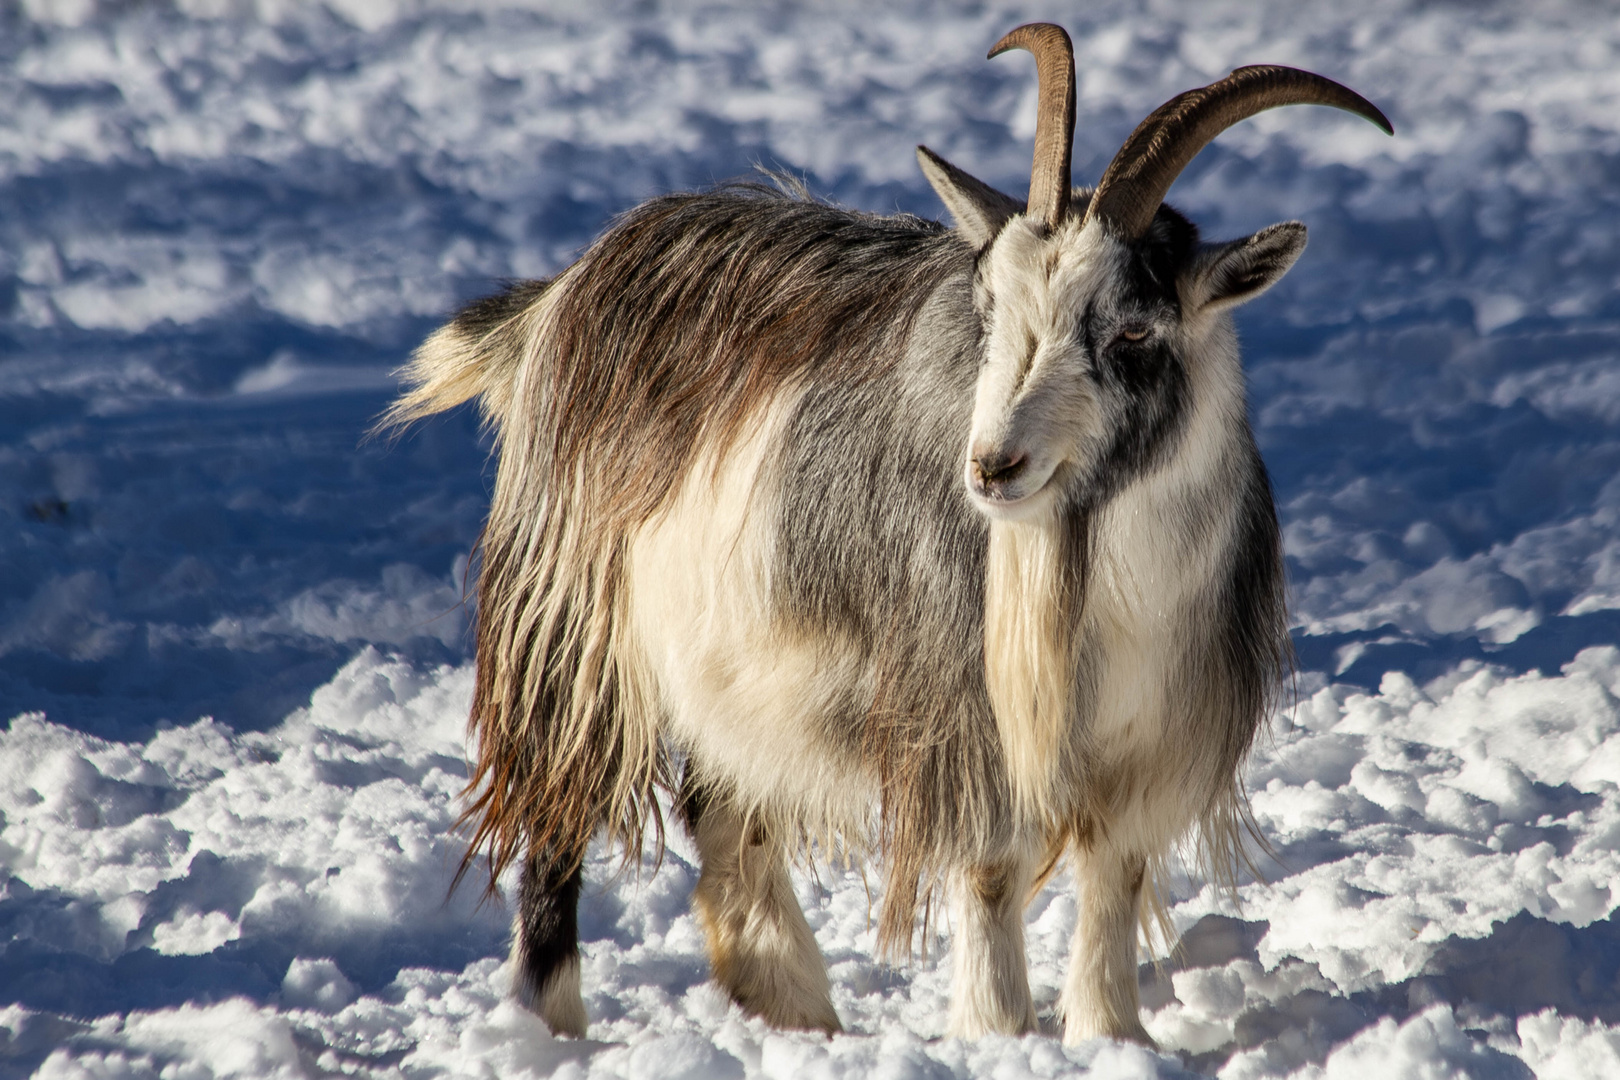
<point>993,471</point>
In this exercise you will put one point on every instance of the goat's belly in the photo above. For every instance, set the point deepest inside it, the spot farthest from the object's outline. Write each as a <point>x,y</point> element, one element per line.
<point>757,721</point>
<point>755,709</point>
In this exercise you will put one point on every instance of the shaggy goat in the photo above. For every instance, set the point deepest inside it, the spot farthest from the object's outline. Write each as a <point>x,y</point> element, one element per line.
<point>952,545</point>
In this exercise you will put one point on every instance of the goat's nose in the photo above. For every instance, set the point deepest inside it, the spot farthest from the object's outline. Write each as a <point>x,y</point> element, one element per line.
<point>997,466</point>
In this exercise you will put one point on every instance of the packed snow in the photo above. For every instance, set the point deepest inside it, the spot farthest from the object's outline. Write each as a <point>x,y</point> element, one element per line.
<point>233,650</point>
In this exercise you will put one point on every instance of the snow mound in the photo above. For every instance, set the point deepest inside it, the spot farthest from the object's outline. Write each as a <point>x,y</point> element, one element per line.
<point>1440,899</point>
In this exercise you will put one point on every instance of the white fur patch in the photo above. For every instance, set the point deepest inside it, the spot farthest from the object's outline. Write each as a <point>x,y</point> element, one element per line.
<point>741,696</point>
<point>558,1002</point>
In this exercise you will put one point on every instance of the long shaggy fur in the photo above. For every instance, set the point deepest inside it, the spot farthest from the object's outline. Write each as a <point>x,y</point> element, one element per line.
<point>994,684</point>
<point>672,330</point>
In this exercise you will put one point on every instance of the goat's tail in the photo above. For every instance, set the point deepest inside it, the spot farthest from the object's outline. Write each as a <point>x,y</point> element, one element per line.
<point>476,354</point>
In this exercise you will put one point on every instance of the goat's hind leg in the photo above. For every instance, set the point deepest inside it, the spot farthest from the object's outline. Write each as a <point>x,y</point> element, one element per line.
<point>989,976</point>
<point>761,950</point>
<point>545,943</point>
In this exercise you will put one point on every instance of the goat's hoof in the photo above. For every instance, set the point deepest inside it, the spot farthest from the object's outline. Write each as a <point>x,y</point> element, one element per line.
<point>1074,1034</point>
<point>794,1016</point>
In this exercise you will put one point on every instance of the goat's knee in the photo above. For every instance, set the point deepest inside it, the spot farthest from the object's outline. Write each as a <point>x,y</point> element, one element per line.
<point>545,944</point>
<point>761,949</point>
<point>1100,997</point>
<point>989,979</point>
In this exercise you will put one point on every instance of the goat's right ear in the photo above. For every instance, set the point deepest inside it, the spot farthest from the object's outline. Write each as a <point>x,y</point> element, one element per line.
<point>979,209</point>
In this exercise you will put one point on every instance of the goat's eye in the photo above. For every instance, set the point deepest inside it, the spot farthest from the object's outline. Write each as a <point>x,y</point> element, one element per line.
<point>1133,333</point>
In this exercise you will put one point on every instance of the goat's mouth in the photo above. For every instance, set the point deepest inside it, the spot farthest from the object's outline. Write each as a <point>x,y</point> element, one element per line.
<point>1009,486</point>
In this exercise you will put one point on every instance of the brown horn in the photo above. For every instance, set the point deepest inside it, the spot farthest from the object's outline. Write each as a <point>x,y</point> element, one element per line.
<point>1161,146</point>
<point>1054,118</point>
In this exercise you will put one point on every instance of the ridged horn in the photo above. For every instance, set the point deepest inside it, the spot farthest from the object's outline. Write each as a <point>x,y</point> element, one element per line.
<point>1161,146</point>
<point>1054,117</point>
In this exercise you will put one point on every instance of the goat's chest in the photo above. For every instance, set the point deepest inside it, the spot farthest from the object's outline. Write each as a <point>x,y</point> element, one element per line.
<point>1148,618</point>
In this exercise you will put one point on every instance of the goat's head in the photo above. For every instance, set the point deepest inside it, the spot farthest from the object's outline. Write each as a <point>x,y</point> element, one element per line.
<point>1094,302</point>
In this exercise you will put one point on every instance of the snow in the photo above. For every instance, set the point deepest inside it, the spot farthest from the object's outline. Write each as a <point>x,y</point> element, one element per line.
<point>233,656</point>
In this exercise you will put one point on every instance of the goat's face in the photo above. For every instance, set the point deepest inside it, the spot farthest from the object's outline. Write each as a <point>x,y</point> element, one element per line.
<point>1088,346</point>
<point>1098,317</point>
<point>1080,367</point>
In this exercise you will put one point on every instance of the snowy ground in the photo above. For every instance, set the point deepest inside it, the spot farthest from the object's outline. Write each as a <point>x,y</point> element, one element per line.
<point>231,651</point>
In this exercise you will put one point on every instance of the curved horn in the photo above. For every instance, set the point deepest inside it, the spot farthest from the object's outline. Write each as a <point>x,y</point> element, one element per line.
<point>1161,146</point>
<point>1054,118</point>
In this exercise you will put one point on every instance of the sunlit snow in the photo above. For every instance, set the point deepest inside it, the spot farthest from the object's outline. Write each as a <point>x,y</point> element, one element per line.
<point>234,669</point>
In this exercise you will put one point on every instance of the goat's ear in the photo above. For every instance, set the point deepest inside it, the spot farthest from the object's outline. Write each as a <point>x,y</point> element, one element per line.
<point>979,209</point>
<point>1226,275</point>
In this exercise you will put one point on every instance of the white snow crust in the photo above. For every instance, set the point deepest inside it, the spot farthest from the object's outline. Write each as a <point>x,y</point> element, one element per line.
<point>234,670</point>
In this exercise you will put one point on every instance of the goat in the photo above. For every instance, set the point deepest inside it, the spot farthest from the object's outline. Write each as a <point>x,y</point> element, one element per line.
<point>949,545</point>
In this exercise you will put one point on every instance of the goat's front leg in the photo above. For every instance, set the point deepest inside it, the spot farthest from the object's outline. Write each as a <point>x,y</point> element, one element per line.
<point>1100,998</point>
<point>989,980</point>
<point>761,950</point>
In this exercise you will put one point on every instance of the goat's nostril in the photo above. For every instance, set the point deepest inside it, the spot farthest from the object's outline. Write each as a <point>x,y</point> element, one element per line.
<point>994,466</point>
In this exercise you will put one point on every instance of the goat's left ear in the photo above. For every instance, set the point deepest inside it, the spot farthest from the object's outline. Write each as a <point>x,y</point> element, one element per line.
<point>979,209</point>
<point>1226,275</point>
